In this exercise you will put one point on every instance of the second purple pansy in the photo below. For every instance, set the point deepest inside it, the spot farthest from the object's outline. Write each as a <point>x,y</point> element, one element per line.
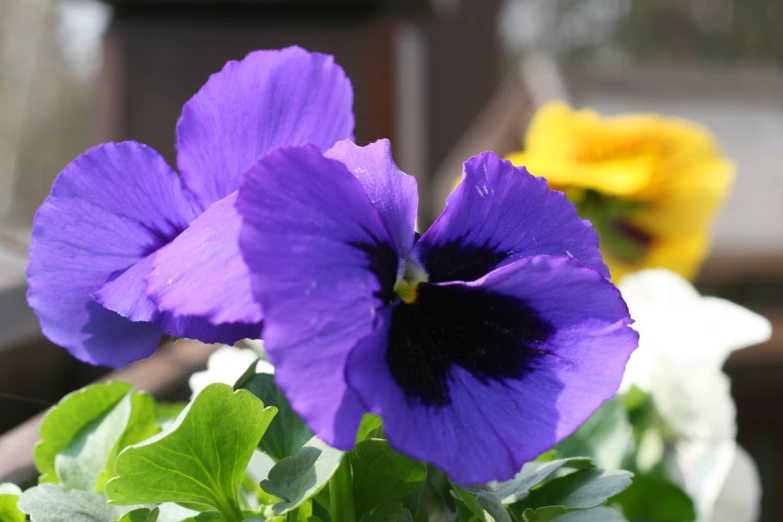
<point>481,344</point>
<point>119,218</point>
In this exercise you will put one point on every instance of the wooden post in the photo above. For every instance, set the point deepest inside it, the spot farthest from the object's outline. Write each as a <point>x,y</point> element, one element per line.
<point>421,69</point>
<point>158,54</point>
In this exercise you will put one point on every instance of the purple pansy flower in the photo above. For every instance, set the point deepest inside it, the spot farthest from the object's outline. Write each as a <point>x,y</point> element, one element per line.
<point>481,343</point>
<point>119,218</point>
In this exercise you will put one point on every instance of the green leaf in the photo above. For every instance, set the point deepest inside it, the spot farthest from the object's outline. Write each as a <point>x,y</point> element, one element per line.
<point>584,489</point>
<point>200,460</point>
<point>212,516</point>
<point>543,514</point>
<point>321,513</point>
<point>296,479</point>
<point>435,498</point>
<point>371,426</point>
<point>598,514</point>
<point>546,514</point>
<point>389,513</point>
<point>141,515</point>
<point>206,516</point>
<point>481,499</point>
<point>381,475</point>
<point>636,399</point>
<point>655,499</point>
<point>287,433</point>
<point>606,437</point>
<point>9,496</point>
<point>169,411</point>
<point>141,426</point>
<point>88,461</point>
<point>303,513</point>
<point>532,474</point>
<point>171,512</point>
<point>53,503</point>
<point>68,417</point>
<point>643,415</point>
<point>341,504</point>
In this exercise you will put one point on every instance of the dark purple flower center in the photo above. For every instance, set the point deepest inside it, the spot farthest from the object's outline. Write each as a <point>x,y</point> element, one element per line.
<point>491,336</point>
<point>461,260</point>
<point>382,261</point>
<point>434,328</point>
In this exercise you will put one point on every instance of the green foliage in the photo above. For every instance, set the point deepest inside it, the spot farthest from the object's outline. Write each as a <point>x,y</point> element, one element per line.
<point>211,516</point>
<point>168,412</point>
<point>141,515</point>
<point>655,499</point>
<point>141,425</point>
<point>296,479</point>
<point>54,503</point>
<point>598,514</point>
<point>9,497</point>
<point>88,461</point>
<point>603,211</point>
<point>287,433</point>
<point>381,475</point>
<point>170,512</point>
<point>371,427</point>
<point>105,442</point>
<point>394,512</point>
<point>483,501</point>
<point>66,419</point>
<point>606,437</point>
<point>583,489</point>
<point>200,460</point>
<point>532,474</point>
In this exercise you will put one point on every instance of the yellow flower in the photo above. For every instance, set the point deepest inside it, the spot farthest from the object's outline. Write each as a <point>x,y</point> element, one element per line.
<point>649,184</point>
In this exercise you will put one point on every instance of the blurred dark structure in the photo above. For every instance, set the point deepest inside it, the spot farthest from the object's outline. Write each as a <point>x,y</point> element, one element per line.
<point>408,61</point>
<point>712,31</point>
<point>697,32</point>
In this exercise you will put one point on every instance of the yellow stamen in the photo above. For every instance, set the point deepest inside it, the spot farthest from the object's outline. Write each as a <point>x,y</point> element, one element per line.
<point>408,292</point>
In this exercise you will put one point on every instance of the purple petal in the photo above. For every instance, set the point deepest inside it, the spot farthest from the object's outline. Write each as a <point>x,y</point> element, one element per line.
<point>515,383</point>
<point>321,263</point>
<point>126,294</point>
<point>393,192</point>
<point>201,273</point>
<point>109,209</point>
<point>499,214</point>
<point>206,332</point>
<point>267,100</point>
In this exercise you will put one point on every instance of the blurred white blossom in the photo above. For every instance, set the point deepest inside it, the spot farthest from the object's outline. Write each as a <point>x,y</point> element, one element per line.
<point>227,364</point>
<point>740,499</point>
<point>80,32</point>
<point>558,25</point>
<point>684,341</point>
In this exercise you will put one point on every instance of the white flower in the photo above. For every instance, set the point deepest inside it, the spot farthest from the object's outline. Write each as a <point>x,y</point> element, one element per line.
<point>741,495</point>
<point>684,341</point>
<point>227,364</point>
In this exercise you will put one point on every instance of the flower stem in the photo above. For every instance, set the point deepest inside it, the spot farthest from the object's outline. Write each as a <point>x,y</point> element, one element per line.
<point>230,512</point>
<point>341,493</point>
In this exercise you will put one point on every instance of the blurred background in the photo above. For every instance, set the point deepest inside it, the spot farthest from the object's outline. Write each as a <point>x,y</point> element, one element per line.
<point>443,79</point>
